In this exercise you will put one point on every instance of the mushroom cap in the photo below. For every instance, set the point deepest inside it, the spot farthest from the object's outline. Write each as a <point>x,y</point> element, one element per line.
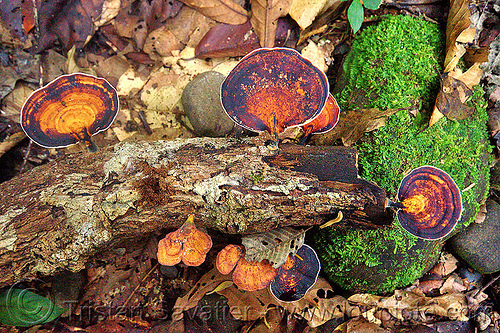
<point>432,203</point>
<point>253,276</point>
<point>296,276</point>
<point>228,257</point>
<point>273,89</point>
<point>169,250</point>
<point>326,120</point>
<point>186,243</point>
<point>69,109</point>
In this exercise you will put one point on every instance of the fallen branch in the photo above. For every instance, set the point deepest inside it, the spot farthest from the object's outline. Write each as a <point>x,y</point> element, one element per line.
<point>58,215</point>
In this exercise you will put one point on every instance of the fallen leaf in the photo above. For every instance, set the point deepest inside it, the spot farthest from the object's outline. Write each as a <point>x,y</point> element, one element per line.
<point>315,55</point>
<point>227,40</point>
<point>452,305</point>
<point>264,19</point>
<point>206,284</point>
<point>13,102</point>
<point>452,284</point>
<point>456,86</point>
<point>137,18</point>
<point>451,100</point>
<point>353,124</point>
<point>274,245</point>
<point>224,11</point>
<point>304,12</point>
<point>71,23</point>
<point>361,325</point>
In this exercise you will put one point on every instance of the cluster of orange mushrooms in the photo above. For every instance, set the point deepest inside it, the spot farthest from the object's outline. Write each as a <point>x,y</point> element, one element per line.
<point>290,282</point>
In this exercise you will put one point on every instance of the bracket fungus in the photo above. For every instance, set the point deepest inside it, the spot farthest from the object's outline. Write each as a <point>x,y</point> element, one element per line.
<point>249,276</point>
<point>186,244</point>
<point>272,89</point>
<point>297,275</point>
<point>325,121</point>
<point>68,110</point>
<point>430,203</point>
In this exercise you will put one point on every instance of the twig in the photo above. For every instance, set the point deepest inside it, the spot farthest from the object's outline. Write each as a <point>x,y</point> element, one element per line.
<point>486,286</point>
<point>138,285</point>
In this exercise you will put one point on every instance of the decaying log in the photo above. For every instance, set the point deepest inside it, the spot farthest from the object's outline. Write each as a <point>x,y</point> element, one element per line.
<point>55,216</point>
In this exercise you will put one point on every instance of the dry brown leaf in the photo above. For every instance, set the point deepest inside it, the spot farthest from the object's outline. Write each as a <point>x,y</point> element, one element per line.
<point>353,124</point>
<point>457,86</point>
<point>319,305</point>
<point>274,245</point>
<point>452,284</point>
<point>224,11</point>
<point>451,100</point>
<point>361,325</point>
<point>452,305</point>
<point>13,102</point>
<point>206,284</point>
<point>304,12</point>
<point>264,19</point>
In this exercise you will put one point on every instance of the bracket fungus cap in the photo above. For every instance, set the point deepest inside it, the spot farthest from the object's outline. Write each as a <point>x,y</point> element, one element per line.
<point>186,244</point>
<point>228,258</point>
<point>271,89</point>
<point>296,276</point>
<point>325,121</point>
<point>431,203</point>
<point>68,110</point>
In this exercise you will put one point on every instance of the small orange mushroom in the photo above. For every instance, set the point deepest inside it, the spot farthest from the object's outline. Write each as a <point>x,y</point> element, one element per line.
<point>271,89</point>
<point>430,203</point>
<point>325,121</point>
<point>186,244</point>
<point>68,110</point>
<point>247,276</point>
<point>228,257</point>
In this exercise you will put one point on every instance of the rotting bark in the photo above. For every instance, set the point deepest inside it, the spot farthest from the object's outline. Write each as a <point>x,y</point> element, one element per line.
<point>57,215</point>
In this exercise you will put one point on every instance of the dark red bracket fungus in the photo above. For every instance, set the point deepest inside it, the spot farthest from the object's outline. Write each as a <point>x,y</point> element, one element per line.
<point>325,121</point>
<point>68,110</point>
<point>246,276</point>
<point>296,276</point>
<point>186,244</point>
<point>430,203</point>
<point>272,89</point>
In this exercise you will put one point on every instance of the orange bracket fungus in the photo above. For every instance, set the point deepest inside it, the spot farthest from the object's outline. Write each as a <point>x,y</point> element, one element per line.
<point>430,204</point>
<point>247,276</point>
<point>68,110</point>
<point>296,276</point>
<point>271,89</point>
<point>186,243</point>
<point>325,121</point>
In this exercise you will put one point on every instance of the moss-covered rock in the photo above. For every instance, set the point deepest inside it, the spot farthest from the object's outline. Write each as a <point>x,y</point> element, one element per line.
<point>393,65</point>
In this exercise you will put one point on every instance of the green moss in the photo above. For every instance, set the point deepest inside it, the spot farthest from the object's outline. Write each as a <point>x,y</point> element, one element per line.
<point>457,147</point>
<point>388,256</point>
<point>393,65</point>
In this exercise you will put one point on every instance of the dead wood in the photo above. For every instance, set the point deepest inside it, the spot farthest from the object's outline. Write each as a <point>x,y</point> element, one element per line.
<point>56,216</point>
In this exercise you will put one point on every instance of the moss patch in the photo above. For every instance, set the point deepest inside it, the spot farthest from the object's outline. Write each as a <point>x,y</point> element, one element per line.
<point>392,65</point>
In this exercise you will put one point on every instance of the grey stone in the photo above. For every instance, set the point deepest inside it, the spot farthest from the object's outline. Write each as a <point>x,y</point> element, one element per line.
<point>478,244</point>
<point>203,107</point>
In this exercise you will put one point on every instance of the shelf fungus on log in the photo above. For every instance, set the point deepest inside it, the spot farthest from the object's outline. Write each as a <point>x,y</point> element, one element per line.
<point>430,203</point>
<point>68,110</point>
<point>297,275</point>
<point>186,244</point>
<point>272,89</point>
<point>249,276</point>
<point>325,121</point>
